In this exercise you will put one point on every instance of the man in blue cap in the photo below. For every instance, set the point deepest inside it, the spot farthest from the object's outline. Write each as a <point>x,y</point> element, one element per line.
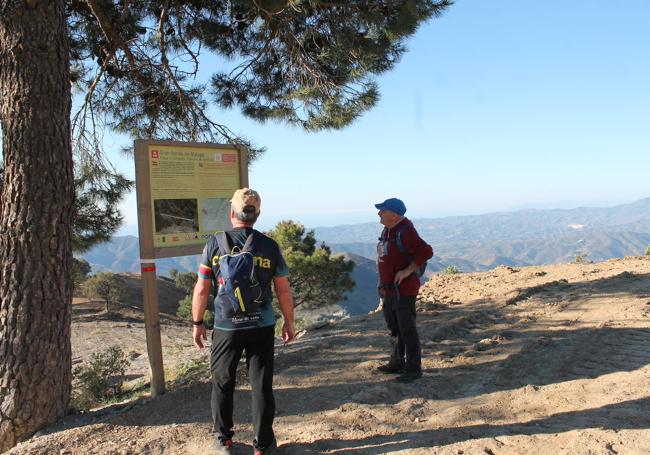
<point>400,254</point>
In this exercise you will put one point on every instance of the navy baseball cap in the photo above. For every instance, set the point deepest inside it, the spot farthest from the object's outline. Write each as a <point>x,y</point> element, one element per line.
<point>394,205</point>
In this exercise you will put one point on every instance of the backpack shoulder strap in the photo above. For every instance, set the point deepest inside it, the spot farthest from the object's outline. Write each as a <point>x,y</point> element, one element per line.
<point>248,246</point>
<point>400,244</point>
<point>222,242</point>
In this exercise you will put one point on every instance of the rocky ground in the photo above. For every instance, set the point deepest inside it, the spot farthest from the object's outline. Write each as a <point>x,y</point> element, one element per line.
<point>544,360</point>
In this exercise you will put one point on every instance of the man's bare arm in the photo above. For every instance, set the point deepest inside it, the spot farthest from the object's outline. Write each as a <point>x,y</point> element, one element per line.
<point>199,305</point>
<point>283,291</point>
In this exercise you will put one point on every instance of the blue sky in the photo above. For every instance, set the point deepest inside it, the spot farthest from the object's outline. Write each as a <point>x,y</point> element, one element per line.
<point>497,105</point>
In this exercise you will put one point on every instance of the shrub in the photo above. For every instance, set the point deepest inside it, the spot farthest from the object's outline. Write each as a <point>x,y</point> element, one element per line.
<point>105,286</point>
<point>450,270</point>
<point>647,251</point>
<point>580,258</point>
<point>183,281</point>
<point>100,379</point>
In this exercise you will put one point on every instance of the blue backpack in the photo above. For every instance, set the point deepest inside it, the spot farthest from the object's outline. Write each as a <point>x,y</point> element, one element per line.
<point>238,285</point>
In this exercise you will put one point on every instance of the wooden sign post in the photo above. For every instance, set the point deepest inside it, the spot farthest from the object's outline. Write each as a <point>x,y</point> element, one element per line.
<point>183,194</point>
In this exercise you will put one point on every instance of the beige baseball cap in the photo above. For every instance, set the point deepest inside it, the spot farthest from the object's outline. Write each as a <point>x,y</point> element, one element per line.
<point>245,198</point>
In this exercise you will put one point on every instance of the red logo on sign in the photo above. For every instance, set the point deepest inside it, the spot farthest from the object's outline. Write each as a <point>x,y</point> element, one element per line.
<point>175,238</point>
<point>229,158</point>
<point>155,154</point>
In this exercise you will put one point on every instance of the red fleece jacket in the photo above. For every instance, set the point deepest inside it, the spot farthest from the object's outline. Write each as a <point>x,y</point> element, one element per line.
<point>390,259</point>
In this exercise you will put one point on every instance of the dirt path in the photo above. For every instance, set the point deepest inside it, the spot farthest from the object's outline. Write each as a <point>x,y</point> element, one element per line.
<point>540,360</point>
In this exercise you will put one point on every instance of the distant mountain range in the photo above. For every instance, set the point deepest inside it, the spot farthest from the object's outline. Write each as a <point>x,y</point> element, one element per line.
<point>122,254</point>
<point>470,243</point>
<point>523,237</point>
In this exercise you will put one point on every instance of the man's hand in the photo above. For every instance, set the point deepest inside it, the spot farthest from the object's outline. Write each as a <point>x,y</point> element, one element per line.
<point>288,331</point>
<point>199,335</point>
<point>399,276</point>
<point>404,273</point>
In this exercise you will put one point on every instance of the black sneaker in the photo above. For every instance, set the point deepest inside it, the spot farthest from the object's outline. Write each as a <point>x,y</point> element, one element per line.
<point>391,368</point>
<point>222,446</point>
<point>409,376</point>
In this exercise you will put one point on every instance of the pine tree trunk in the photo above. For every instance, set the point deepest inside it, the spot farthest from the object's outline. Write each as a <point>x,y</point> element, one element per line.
<point>36,204</point>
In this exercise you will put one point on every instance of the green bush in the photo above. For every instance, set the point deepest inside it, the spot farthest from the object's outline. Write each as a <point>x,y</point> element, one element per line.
<point>183,281</point>
<point>100,380</point>
<point>647,251</point>
<point>105,286</point>
<point>450,270</point>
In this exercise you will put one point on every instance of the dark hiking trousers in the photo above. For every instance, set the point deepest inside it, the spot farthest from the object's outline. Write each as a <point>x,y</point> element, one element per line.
<point>400,319</point>
<point>227,348</point>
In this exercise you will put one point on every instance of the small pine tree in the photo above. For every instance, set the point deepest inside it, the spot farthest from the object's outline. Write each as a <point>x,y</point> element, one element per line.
<point>105,286</point>
<point>101,377</point>
<point>316,277</point>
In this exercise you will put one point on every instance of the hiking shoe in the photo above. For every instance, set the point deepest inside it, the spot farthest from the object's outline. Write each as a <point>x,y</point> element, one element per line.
<point>266,450</point>
<point>222,446</point>
<point>409,376</point>
<point>391,368</point>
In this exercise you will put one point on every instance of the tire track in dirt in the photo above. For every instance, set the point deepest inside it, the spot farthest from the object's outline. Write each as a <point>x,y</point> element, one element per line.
<point>566,355</point>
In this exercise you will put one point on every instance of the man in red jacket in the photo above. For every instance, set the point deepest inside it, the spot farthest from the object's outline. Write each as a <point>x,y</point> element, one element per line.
<point>400,254</point>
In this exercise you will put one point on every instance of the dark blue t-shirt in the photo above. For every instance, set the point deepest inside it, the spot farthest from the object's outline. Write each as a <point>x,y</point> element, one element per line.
<point>269,263</point>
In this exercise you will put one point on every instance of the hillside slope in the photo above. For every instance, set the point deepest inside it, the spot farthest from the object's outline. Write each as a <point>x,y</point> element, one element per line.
<point>544,360</point>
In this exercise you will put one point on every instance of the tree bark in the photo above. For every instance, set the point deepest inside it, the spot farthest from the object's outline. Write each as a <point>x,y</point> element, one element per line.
<point>35,229</point>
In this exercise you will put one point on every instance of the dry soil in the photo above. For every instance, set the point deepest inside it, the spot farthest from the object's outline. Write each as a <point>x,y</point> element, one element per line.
<point>537,360</point>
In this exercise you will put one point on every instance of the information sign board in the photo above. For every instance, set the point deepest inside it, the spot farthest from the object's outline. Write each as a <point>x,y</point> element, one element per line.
<point>184,192</point>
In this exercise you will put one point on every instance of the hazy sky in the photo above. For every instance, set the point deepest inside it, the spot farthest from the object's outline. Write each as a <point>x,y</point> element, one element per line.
<point>497,105</point>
